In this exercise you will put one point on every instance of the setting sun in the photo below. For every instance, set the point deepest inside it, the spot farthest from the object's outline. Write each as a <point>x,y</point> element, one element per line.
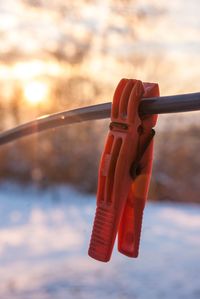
<point>35,92</point>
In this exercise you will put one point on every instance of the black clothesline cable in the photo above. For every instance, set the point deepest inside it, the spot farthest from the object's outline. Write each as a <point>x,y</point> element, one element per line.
<point>156,105</point>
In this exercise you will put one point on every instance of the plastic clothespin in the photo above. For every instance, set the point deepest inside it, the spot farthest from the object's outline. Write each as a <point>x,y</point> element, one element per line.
<point>124,173</point>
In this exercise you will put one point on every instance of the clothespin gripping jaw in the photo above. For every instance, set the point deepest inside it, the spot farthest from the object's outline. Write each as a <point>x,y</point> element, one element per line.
<point>118,207</point>
<point>141,168</point>
<point>114,172</point>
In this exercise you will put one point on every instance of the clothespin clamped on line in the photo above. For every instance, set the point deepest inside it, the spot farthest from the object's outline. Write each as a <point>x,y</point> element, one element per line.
<point>124,173</point>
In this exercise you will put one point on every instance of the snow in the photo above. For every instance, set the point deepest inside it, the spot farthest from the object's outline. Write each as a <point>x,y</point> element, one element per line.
<point>44,236</point>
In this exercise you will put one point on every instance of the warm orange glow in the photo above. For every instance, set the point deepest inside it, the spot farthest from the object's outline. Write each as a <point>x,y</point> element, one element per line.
<point>36,92</point>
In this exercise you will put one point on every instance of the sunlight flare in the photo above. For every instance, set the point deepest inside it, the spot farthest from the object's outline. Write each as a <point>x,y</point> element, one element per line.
<point>36,92</point>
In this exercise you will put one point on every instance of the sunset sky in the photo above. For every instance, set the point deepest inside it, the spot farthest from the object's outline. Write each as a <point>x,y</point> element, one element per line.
<point>43,41</point>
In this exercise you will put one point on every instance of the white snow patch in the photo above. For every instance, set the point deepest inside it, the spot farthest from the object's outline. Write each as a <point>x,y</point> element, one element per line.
<point>44,242</point>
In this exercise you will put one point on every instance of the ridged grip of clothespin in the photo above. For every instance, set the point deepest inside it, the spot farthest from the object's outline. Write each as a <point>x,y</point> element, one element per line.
<point>114,172</point>
<point>131,221</point>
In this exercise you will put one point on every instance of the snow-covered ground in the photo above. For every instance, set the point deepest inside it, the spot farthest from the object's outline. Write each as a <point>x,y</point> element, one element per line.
<point>44,237</point>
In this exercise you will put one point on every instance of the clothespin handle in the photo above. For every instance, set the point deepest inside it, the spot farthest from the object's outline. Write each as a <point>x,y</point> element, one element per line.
<point>131,221</point>
<point>115,180</point>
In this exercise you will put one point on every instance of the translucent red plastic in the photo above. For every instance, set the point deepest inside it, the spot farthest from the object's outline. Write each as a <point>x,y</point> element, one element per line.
<point>121,196</point>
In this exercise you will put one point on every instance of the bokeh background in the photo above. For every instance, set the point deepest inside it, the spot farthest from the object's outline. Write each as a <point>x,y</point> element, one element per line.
<point>58,55</point>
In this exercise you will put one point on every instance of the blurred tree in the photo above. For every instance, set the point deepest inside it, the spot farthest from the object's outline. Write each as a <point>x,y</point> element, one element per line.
<point>176,172</point>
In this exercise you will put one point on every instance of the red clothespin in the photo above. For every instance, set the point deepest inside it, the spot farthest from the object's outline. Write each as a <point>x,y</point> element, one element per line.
<point>124,173</point>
